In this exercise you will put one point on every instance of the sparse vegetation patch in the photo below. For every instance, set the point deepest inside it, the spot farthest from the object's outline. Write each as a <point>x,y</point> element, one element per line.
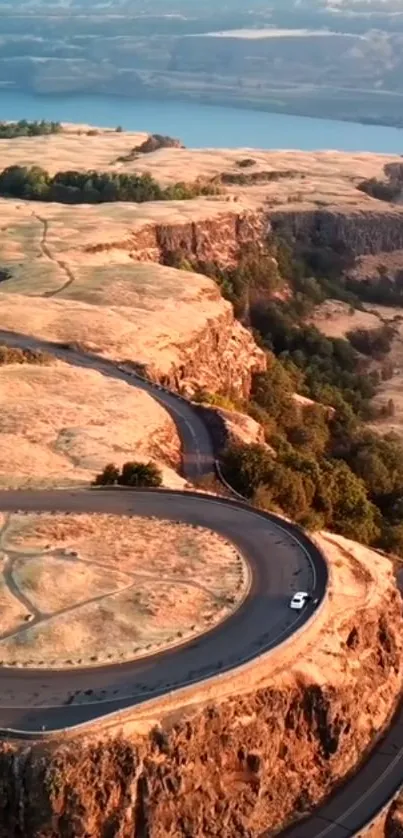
<point>91,187</point>
<point>24,128</point>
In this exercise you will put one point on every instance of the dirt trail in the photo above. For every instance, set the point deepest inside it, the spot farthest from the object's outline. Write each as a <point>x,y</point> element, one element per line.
<point>48,253</point>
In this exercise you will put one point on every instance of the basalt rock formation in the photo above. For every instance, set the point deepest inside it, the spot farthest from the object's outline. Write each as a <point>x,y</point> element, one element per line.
<point>361,231</point>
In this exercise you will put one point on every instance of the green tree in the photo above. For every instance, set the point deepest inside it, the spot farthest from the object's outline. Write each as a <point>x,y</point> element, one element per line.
<point>140,474</point>
<point>352,514</point>
<point>273,391</point>
<point>290,491</point>
<point>131,474</point>
<point>312,434</point>
<point>391,538</point>
<point>108,477</point>
<point>246,467</point>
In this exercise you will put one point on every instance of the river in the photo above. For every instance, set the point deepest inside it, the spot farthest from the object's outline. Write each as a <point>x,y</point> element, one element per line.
<point>204,126</point>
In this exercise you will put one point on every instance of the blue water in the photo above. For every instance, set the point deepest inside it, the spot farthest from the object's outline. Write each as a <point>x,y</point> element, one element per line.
<point>203,126</point>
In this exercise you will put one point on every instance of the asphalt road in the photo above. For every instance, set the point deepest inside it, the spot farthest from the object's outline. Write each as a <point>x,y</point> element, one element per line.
<point>281,559</point>
<point>281,562</point>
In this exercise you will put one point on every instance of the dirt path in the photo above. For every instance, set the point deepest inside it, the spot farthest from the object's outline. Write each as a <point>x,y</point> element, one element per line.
<point>39,617</point>
<point>10,581</point>
<point>48,253</point>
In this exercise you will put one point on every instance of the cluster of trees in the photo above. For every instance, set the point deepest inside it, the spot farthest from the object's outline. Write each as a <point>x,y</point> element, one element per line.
<point>72,187</point>
<point>23,128</point>
<point>313,491</point>
<point>389,191</point>
<point>376,343</point>
<point>332,371</point>
<point>256,275</point>
<point>324,467</point>
<point>131,474</point>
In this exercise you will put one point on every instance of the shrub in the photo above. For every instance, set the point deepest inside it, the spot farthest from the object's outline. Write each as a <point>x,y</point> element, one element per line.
<point>131,474</point>
<point>140,474</point>
<point>245,162</point>
<point>108,477</point>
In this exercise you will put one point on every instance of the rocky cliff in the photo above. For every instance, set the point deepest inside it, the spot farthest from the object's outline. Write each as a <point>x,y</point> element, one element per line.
<point>362,231</point>
<point>213,234</point>
<point>266,749</point>
<point>394,820</point>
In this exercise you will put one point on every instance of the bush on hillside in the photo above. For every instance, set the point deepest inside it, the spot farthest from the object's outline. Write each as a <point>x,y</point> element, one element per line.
<point>131,474</point>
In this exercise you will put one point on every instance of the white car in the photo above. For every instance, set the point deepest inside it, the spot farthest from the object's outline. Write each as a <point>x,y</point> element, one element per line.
<point>299,600</point>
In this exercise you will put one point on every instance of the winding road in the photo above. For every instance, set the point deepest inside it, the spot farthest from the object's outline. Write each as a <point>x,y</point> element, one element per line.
<point>282,559</point>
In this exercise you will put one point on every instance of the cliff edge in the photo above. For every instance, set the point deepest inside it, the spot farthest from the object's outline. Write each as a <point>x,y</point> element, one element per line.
<point>240,757</point>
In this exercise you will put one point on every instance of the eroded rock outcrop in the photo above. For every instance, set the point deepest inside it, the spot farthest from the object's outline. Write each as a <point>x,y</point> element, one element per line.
<point>394,820</point>
<point>203,234</point>
<point>222,357</point>
<point>361,231</point>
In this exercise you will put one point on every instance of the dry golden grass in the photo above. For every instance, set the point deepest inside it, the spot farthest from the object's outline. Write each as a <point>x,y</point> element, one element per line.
<point>52,583</point>
<point>60,425</point>
<point>335,319</point>
<point>111,588</point>
<point>70,149</point>
<point>115,306</point>
<point>314,176</point>
<point>12,612</point>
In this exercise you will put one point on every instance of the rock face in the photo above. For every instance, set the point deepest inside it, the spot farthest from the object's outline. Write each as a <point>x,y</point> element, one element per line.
<point>221,358</point>
<point>219,240</point>
<point>230,427</point>
<point>157,141</point>
<point>394,820</point>
<point>235,767</point>
<point>361,231</point>
<point>217,237</point>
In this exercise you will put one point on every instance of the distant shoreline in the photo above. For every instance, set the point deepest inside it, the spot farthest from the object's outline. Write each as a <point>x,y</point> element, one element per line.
<point>208,100</point>
<point>202,124</point>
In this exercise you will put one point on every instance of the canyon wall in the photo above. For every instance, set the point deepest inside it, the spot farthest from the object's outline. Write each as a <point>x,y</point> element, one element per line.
<point>363,231</point>
<point>221,237</point>
<point>212,235</point>
<point>221,357</point>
